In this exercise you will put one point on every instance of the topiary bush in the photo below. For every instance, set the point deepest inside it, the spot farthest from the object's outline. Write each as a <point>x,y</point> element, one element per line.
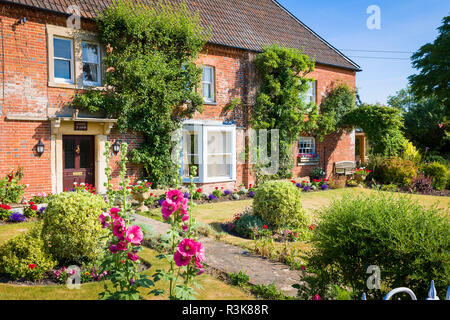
<point>248,224</point>
<point>279,204</point>
<point>438,172</point>
<point>409,243</point>
<point>72,227</point>
<point>26,256</point>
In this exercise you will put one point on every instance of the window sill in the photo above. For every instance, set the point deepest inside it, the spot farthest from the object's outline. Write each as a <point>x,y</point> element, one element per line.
<point>63,85</point>
<point>209,103</point>
<point>218,180</point>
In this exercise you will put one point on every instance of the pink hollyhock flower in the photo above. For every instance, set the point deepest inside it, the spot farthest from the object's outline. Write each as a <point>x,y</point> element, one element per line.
<point>104,218</point>
<point>185,227</point>
<point>199,252</point>
<point>113,248</point>
<point>132,256</point>
<point>114,213</point>
<point>180,259</point>
<point>184,206</point>
<point>134,235</point>
<point>185,218</point>
<point>175,196</point>
<point>199,267</point>
<point>303,268</point>
<point>121,246</point>
<point>119,227</point>
<point>187,247</point>
<point>168,208</point>
<point>317,297</point>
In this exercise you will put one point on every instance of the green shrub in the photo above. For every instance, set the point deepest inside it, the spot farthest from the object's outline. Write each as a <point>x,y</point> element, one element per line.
<point>248,224</point>
<point>389,187</point>
<point>239,279</point>
<point>11,191</point>
<point>409,243</point>
<point>411,153</point>
<point>71,225</point>
<point>394,170</point>
<point>20,254</point>
<point>438,172</point>
<point>279,204</point>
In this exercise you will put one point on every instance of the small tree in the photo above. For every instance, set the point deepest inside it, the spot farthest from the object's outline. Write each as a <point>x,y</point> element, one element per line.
<point>151,77</point>
<point>279,104</point>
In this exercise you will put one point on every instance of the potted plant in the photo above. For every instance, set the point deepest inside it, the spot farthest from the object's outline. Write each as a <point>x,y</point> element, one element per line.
<point>361,174</point>
<point>140,191</point>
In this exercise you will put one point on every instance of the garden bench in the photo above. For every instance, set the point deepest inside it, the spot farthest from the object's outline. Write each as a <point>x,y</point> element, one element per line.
<point>344,167</point>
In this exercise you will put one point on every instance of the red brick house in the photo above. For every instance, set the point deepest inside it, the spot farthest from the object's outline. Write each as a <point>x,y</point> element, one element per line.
<point>43,63</point>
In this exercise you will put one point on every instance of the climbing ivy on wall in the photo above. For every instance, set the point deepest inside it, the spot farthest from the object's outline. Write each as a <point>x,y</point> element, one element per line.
<point>151,78</point>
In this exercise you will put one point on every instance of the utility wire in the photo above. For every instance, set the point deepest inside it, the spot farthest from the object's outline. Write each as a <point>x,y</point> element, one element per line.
<point>376,51</point>
<point>382,58</point>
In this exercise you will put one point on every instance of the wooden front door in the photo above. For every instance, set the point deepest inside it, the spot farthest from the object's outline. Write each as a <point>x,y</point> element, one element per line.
<point>78,161</point>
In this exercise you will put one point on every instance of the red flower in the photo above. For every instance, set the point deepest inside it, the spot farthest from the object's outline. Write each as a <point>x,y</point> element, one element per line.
<point>123,261</point>
<point>312,227</point>
<point>10,177</point>
<point>251,185</point>
<point>217,188</point>
<point>31,202</point>
<point>265,227</point>
<point>237,218</point>
<point>199,190</point>
<point>33,207</point>
<point>31,266</point>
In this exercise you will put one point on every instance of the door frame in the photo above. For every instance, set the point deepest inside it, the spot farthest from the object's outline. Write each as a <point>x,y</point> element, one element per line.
<point>91,139</point>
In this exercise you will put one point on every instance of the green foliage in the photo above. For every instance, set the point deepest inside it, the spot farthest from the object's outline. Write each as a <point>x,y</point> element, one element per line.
<point>279,104</point>
<point>151,78</point>
<point>438,172</point>
<point>393,170</point>
<point>20,254</point>
<point>11,191</point>
<point>248,225</point>
<point>72,227</point>
<point>279,203</point>
<point>382,125</point>
<point>411,153</point>
<point>338,101</point>
<point>317,173</point>
<point>239,279</point>
<point>233,104</point>
<point>269,292</point>
<point>389,187</point>
<point>432,61</point>
<point>408,242</point>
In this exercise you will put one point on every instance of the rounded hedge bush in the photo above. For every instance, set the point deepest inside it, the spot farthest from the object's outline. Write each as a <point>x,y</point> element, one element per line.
<point>395,170</point>
<point>26,256</point>
<point>438,172</point>
<point>409,243</point>
<point>279,204</point>
<point>72,227</point>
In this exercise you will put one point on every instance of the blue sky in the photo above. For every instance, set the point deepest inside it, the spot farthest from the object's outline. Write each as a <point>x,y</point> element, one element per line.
<point>406,25</point>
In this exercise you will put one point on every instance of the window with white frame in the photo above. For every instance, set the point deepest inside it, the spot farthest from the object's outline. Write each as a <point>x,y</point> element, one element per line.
<point>208,84</point>
<point>306,146</point>
<point>211,149</point>
<point>63,60</point>
<point>91,64</point>
<point>310,95</point>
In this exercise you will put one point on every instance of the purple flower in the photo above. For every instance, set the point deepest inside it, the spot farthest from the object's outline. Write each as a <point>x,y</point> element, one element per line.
<point>187,195</point>
<point>227,192</point>
<point>251,194</point>
<point>212,197</point>
<point>299,185</point>
<point>306,188</point>
<point>324,187</point>
<point>160,201</point>
<point>17,217</point>
<point>42,209</point>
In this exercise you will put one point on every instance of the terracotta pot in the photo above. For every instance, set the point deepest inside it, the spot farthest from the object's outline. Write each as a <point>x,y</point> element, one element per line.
<point>341,182</point>
<point>141,197</point>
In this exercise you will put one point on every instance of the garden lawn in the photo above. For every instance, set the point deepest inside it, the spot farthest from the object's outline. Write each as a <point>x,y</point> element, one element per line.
<point>215,214</point>
<point>212,288</point>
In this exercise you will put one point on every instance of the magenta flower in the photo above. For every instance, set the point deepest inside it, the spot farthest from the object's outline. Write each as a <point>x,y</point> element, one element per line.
<point>122,246</point>
<point>119,227</point>
<point>199,267</point>
<point>175,196</point>
<point>187,247</point>
<point>180,259</point>
<point>113,248</point>
<point>317,297</point>
<point>168,208</point>
<point>114,212</point>
<point>303,268</point>
<point>104,218</point>
<point>184,206</point>
<point>185,227</point>
<point>199,252</point>
<point>132,256</point>
<point>134,235</point>
<point>185,218</point>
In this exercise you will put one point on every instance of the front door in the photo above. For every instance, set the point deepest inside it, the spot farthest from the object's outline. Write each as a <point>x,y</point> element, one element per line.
<point>78,161</point>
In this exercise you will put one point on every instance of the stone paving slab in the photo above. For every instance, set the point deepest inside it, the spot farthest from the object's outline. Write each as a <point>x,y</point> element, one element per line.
<point>229,258</point>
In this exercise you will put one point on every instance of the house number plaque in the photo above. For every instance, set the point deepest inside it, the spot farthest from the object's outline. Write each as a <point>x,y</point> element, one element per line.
<point>78,173</point>
<point>80,126</point>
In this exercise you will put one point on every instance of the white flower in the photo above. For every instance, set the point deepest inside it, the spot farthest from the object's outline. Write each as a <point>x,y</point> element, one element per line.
<point>75,183</point>
<point>82,184</point>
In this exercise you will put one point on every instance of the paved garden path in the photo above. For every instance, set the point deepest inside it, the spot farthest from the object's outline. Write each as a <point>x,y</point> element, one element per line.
<point>229,258</point>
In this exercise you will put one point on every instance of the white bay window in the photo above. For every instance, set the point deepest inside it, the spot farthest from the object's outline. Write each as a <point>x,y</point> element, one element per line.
<point>211,148</point>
